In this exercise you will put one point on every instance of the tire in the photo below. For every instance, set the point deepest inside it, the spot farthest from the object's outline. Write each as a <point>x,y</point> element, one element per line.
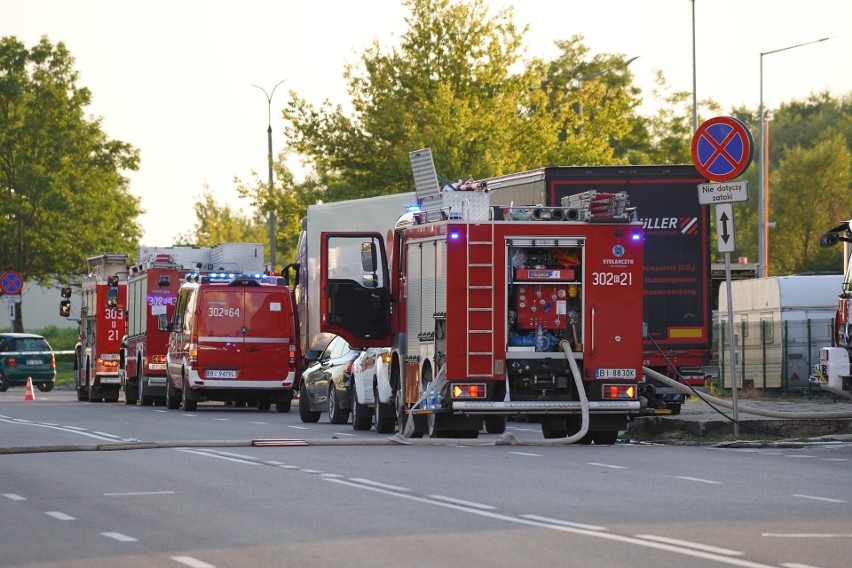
<point>495,424</point>
<point>144,400</point>
<point>336,415</point>
<point>4,383</point>
<point>131,396</point>
<point>172,400</point>
<point>285,400</point>
<point>45,387</point>
<point>362,417</point>
<point>188,404</point>
<point>674,407</point>
<point>605,437</point>
<point>383,415</point>
<point>402,417</point>
<point>305,413</point>
<point>551,428</point>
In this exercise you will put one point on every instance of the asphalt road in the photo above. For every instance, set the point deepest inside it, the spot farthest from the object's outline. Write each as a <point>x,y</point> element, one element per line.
<point>391,505</point>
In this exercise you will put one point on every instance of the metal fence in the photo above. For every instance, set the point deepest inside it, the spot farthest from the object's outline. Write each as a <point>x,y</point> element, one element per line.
<point>770,354</point>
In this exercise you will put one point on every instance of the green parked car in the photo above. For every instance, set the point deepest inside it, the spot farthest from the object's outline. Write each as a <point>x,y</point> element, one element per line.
<point>25,355</point>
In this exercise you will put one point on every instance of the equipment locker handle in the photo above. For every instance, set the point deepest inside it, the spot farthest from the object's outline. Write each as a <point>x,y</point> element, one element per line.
<point>593,330</point>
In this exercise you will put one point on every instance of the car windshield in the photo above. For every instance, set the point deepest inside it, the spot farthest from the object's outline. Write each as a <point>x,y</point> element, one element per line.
<point>28,344</point>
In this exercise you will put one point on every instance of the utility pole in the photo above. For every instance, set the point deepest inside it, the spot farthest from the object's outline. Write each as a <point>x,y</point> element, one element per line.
<point>271,220</point>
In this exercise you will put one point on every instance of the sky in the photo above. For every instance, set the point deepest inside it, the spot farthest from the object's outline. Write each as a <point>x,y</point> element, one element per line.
<point>174,78</point>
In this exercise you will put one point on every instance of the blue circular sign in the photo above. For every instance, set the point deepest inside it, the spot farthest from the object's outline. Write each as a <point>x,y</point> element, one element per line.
<point>11,283</point>
<point>722,148</point>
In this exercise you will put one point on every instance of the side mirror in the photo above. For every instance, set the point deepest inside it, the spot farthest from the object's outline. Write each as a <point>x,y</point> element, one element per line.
<point>163,323</point>
<point>829,240</point>
<point>370,281</point>
<point>368,257</point>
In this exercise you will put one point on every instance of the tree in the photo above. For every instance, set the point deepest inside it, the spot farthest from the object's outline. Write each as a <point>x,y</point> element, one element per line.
<point>810,192</point>
<point>289,200</point>
<point>63,195</point>
<point>457,83</point>
<point>217,224</point>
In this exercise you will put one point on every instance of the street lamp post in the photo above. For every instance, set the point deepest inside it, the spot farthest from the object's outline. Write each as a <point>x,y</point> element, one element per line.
<point>269,160</point>
<point>762,173</point>
<point>694,91</point>
<point>597,74</point>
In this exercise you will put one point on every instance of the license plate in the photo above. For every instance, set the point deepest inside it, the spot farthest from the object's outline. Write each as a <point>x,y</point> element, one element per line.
<point>218,374</point>
<point>34,362</point>
<point>615,373</point>
<point>157,366</point>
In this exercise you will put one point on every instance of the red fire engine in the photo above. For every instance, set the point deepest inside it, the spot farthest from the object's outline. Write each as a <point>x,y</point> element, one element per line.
<point>102,326</point>
<point>498,311</point>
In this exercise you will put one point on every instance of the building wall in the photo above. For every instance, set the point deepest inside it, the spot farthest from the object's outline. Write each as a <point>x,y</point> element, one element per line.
<point>41,308</point>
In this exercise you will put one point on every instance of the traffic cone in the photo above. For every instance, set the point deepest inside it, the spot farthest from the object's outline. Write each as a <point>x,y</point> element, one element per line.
<point>28,395</point>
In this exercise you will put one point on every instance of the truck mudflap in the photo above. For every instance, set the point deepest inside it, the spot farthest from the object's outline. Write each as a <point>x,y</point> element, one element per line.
<point>538,407</point>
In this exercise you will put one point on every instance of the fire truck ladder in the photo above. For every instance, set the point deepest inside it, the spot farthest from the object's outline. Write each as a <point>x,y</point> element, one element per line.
<point>480,290</point>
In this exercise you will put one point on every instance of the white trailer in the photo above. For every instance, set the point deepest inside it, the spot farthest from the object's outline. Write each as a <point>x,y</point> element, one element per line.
<point>780,324</point>
<point>374,214</point>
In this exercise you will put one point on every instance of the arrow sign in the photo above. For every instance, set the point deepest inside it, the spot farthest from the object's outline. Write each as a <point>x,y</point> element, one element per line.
<point>725,239</point>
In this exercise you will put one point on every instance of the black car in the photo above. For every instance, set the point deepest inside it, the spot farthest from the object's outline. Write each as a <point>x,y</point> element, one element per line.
<point>326,384</point>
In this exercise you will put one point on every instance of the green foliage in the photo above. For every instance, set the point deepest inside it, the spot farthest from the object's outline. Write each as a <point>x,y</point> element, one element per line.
<point>456,83</point>
<point>62,194</point>
<point>60,339</point>
<point>810,191</point>
<point>215,224</point>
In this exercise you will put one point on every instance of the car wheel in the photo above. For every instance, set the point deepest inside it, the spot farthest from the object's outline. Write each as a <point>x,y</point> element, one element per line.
<point>45,387</point>
<point>189,405</point>
<point>172,400</point>
<point>4,383</point>
<point>305,412</point>
<point>336,415</point>
<point>383,415</point>
<point>285,399</point>
<point>362,418</point>
<point>144,399</point>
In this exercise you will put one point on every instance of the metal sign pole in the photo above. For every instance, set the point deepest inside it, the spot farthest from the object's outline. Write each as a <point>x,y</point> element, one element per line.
<point>731,343</point>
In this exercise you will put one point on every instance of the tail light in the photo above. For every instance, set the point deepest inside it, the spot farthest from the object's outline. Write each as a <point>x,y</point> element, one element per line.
<point>107,363</point>
<point>476,390</point>
<point>386,357</point>
<point>615,392</point>
<point>11,362</point>
<point>52,361</point>
<point>348,369</point>
<point>192,350</point>
<point>158,359</point>
<point>292,356</point>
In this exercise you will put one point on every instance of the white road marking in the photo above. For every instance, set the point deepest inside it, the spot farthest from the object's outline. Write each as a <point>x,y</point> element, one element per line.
<point>298,427</point>
<point>815,498</point>
<point>629,540</point>
<point>215,455</point>
<point>525,454</point>
<point>192,562</point>
<point>345,434</point>
<point>14,497</point>
<point>221,419</point>
<point>690,544</point>
<point>69,429</point>
<point>60,515</point>
<point>462,502</point>
<point>607,465</point>
<point>363,481</point>
<point>118,536</point>
<point>564,523</point>
<point>159,410</point>
<point>139,493</point>
<point>808,535</point>
<point>332,475</point>
<point>797,565</point>
<point>260,423</point>
<point>836,459</point>
<point>311,471</point>
<point>699,480</point>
